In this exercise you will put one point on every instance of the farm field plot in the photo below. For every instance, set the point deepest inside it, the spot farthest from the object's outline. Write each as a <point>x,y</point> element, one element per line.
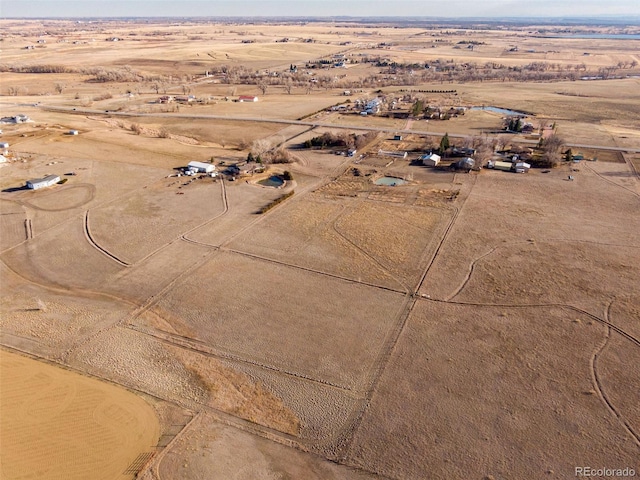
<point>44,321</point>
<point>62,257</point>
<point>146,220</point>
<point>12,222</point>
<point>244,201</point>
<point>154,273</point>
<point>304,233</point>
<point>258,458</point>
<point>258,298</point>
<point>468,367</point>
<point>59,424</point>
<point>547,208</point>
<point>554,272</point>
<point>400,238</point>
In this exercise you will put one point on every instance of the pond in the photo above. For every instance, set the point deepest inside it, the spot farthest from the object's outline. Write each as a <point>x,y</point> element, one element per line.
<point>273,181</point>
<point>501,111</point>
<point>390,181</point>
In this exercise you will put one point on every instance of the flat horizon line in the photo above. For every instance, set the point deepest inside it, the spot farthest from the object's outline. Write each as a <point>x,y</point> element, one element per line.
<point>413,18</point>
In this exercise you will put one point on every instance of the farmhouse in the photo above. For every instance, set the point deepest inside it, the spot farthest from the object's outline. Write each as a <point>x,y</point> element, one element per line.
<point>430,160</point>
<point>47,181</point>
<point>247,98</point>
<point>198,167</point>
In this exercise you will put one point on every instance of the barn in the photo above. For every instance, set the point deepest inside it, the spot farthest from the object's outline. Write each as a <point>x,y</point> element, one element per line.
<point>47,181</point>
<point>201,167</point>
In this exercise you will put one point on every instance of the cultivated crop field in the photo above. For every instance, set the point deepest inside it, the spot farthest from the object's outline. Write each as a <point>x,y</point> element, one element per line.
<point>50,414</point>
<point>290,317</point>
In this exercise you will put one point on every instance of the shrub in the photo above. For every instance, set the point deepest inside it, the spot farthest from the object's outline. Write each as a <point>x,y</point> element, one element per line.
<point>277,201</point>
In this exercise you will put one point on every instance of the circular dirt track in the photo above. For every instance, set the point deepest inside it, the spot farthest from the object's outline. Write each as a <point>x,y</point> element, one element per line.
<point>61,198</point>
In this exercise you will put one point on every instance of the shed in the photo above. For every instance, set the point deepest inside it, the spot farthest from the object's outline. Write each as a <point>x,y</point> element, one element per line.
<point>430,160</point>
<point>247,98</point>
<point>466,163</point>
<point>522,167</point>
<point>47,181</point>
<point>201,167</point>
<point>4,145</point>
<point>73,132</point>
<point>498,165</point>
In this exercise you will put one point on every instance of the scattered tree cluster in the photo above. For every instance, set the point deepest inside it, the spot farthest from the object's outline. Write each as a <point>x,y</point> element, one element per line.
<point>342,139</point>
<point>551,152</point>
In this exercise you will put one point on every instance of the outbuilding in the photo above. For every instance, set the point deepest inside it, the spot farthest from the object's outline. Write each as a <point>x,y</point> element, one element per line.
<point>522,167</point>
<point>500,165</point>
<point>247,98</point>
<point>4,145</point>
<point>430,160</point>
<point>201,167</point>
<point>47,181</point>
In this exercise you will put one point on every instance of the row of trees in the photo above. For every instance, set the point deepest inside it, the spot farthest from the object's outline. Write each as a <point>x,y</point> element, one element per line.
<point>340,139</point>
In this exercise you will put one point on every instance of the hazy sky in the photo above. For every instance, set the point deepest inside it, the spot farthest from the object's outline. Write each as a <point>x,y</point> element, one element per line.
<point>427,8</point>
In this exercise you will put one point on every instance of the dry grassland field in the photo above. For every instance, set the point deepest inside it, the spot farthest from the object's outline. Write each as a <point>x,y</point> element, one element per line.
<point>315,302</point>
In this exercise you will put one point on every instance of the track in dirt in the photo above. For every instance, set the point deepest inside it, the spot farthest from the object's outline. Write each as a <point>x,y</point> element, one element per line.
<point>598,383</point>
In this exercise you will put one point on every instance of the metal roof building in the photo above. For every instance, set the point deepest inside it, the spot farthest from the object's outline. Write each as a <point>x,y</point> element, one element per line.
<point>201,167</point>
<point>47,181</point>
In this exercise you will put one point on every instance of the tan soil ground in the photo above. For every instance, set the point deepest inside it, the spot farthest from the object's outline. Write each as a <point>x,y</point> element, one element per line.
<point>502,392</point>
<point>259,296</point>
<point>59,424</point>
<point>480,325</point>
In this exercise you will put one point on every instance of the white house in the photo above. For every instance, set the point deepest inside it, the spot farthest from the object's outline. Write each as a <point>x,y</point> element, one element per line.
<point>522,167</point>
<point>430,160</point>
<point>201,167</point>
<point>47,181</point>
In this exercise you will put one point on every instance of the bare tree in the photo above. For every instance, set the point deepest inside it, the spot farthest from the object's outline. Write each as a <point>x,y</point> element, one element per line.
<point>260,147</point>
<point>59,87</point>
